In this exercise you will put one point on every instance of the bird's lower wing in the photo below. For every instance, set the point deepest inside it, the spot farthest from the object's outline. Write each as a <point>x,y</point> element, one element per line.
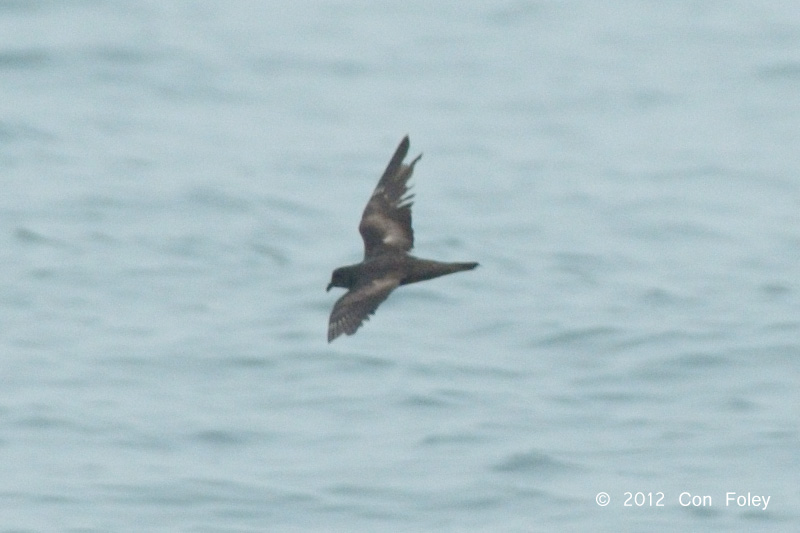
<point>352,309</point>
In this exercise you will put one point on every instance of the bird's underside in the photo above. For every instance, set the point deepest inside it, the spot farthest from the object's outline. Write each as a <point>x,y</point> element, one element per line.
<point>388,237</point>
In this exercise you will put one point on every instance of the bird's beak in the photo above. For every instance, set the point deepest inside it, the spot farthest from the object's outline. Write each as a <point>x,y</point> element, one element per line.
<point>329,287</point>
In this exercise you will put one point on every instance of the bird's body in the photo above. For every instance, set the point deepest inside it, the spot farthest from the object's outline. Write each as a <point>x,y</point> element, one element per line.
<point>388,237</point>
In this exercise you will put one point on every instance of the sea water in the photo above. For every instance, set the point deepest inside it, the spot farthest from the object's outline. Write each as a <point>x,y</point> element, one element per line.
<point>180,178</point>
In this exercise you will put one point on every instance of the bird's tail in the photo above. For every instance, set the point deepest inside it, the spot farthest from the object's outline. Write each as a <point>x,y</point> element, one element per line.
<point>424,269</point>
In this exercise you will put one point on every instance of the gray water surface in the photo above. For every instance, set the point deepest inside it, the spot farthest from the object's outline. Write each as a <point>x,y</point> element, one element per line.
<point>180,178</point>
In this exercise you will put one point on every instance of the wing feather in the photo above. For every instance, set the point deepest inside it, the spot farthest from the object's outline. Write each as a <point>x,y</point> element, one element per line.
<point>386,222</point>
<point>357,304</point>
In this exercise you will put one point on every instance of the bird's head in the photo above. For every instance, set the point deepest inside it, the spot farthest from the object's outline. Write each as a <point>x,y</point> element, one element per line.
<point>341,277</point>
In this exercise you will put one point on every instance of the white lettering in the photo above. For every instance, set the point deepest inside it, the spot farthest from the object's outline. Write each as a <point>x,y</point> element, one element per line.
<point>686,499</point>
<point>748,500</point>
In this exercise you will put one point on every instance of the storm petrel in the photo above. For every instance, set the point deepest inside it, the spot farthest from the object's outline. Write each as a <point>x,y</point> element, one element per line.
<point>388,237</point>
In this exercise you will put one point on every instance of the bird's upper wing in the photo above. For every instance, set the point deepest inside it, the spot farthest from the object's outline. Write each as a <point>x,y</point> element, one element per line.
<point>386,222</point>
<point>357,304</point>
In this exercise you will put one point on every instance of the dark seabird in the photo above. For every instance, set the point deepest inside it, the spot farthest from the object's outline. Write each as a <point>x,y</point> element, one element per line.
<point>388,237</point>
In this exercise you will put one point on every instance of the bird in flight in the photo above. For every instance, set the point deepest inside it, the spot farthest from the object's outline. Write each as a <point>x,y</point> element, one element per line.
<point>388,237</point>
